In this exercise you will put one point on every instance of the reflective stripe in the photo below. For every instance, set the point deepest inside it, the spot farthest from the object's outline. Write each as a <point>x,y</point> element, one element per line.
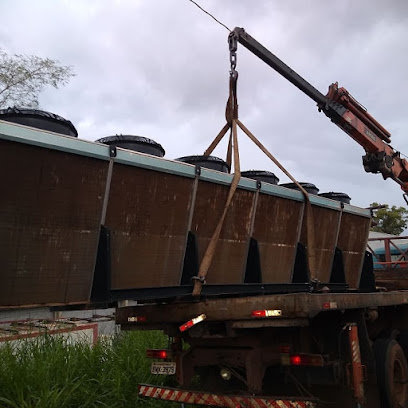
<point>165,394</point>
<point>173,396</point>
<point>214,400</point>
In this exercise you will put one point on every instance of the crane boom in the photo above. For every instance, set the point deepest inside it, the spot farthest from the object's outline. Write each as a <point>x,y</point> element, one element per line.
<point>343,110</point>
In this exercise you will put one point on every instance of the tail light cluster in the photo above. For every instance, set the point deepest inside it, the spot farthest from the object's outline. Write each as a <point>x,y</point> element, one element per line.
<point>300,359</point>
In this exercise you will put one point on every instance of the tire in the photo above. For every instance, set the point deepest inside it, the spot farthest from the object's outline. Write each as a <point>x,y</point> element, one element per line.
<point>392,373</point>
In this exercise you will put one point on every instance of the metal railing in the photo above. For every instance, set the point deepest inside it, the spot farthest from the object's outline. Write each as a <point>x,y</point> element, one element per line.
<point>383,256</point>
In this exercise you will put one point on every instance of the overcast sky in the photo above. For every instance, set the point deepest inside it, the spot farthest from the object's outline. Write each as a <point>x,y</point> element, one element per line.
<point>159,69</point>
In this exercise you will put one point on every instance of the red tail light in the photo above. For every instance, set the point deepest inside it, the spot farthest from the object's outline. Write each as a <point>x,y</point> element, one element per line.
<point>158,353</point>
<point>295,360</point>
<point>315,360</point>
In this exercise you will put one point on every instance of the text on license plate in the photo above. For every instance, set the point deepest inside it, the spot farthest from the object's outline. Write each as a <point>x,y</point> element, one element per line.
<point>165,367</point>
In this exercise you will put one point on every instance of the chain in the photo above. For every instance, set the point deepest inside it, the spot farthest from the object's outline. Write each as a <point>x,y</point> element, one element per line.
<point>232,105</point>
<point>233,44</point>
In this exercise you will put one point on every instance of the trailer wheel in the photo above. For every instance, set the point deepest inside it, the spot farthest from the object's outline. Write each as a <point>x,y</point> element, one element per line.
<point>392,373</point>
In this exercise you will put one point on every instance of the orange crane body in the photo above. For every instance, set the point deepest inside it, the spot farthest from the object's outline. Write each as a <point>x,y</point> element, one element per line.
<point>372,136</point>
<point>343,110</point>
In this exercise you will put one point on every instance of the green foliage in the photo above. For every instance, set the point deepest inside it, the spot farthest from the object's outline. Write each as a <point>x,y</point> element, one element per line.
<point>23,77</point>
<point>51,373</point>
<point>390,220</point>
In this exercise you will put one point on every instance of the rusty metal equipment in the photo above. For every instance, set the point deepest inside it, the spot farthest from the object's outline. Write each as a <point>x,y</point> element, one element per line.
<point>158,214</point>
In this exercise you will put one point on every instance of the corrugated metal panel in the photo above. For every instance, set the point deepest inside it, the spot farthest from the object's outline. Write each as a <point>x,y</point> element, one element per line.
<point>49,226</point>
<point>229,260</point>
<point>353,242</point>
<point>276,228</point>
<point>147,216</point>
<point>326,226</point>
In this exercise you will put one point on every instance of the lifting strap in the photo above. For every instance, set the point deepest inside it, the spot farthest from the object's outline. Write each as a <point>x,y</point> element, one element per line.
<point>231,115</point>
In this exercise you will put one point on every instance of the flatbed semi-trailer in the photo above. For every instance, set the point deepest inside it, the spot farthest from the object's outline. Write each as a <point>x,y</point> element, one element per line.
<point>300,345</point>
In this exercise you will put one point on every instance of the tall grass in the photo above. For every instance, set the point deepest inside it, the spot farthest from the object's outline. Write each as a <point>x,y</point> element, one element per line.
<point>50,373</point>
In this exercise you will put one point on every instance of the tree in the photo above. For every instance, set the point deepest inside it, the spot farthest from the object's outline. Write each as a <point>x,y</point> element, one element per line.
<point>23,77</point>
<point>389,220</point>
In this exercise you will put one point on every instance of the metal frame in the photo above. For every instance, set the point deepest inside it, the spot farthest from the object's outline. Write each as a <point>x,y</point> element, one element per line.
<point>388,243</point>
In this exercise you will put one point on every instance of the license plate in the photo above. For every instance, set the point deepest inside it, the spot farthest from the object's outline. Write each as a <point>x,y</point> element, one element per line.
<point>165,368</point>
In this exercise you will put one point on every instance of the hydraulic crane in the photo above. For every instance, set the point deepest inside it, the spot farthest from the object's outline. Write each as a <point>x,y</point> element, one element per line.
<point>342,109</point>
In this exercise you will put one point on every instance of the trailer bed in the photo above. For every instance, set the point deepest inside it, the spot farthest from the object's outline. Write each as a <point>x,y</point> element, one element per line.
<point>290,306</point>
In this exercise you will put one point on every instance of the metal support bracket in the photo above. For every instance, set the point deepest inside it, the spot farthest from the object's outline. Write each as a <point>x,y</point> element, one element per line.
<point>112,151</point>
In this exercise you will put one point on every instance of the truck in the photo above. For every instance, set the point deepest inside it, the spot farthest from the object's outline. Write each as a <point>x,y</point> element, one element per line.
<point>266,293</point>
<point>320,346</point>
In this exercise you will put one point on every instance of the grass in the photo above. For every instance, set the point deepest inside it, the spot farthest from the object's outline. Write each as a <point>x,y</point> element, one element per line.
<point>50,373</point>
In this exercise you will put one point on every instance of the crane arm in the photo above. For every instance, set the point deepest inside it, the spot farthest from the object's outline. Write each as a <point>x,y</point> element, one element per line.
<point>343,110</point>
